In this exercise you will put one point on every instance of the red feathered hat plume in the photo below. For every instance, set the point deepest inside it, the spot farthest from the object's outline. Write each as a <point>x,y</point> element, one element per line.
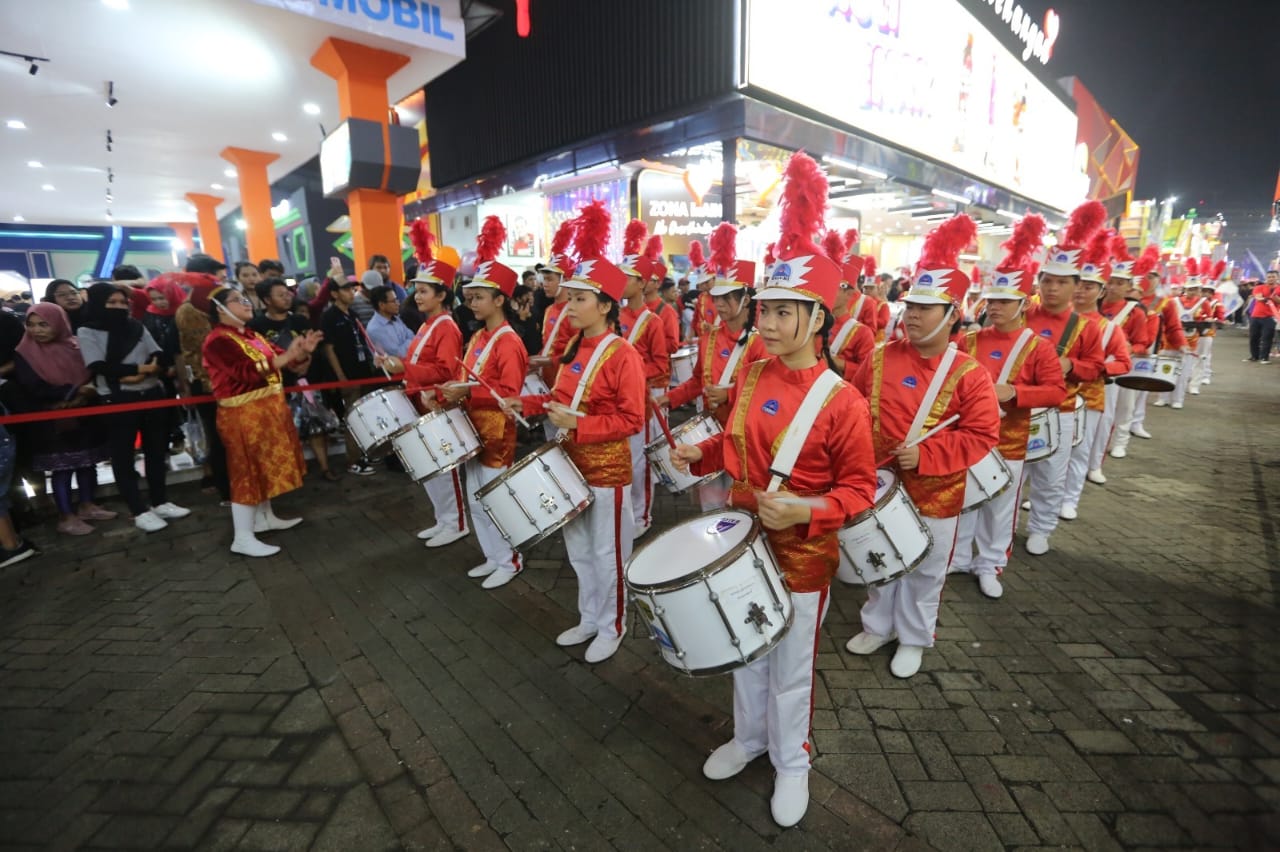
<point>696,257</point>
<point>1218,268</point>
<point>1098,250</point>
<point>723,243</point>
<point>653,249</point>
<point>944,243</point>
<point>803,206</point>
<point>492,236</point>
<point>1120,249</point>
<point>1026,240</point>
<point>563,236</point>
<point>591,234</point>
<point>423,240</point>
<point>975,275</point>
<point>868,266</point>
<point>633,237</point>
<point>1147,261</point>
<point>1192,266</point>
<point>769,258</point>
<point>851,237</point>
<point>833,245</point>
<point>1085,220</point>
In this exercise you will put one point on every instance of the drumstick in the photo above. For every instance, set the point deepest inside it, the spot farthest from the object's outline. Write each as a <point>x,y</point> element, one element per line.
<point>374,347</point>
<point>662,422</point>
<point>909,444</point>
<point>564,409</point>
<point>502,403</point>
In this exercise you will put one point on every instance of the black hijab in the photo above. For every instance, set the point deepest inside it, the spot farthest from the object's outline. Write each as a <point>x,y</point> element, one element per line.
<point>123,331</point>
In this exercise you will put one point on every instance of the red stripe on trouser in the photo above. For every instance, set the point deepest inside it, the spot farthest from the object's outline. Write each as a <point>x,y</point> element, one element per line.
<point>458,498</point>
<point>813,668</point>
<point>617,553</point>
<point>955,531</point>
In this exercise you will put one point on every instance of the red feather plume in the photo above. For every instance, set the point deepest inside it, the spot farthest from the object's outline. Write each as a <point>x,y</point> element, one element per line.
<point>653,249</point>
<point>1218,268</point>
<point>833,245</point>
<point>633,237</point>
<point>1192,266</point>
<point>563,236</point>
<point>492,235</point>
<point>803,206</point>
<point>723,243</point>
<point>591,234</point>
<point>1146,261</point>
<point>1120,248</point>
<point>1085,220</point>
<point>975,275</point>
<point>696,257</point>
<point>851,238</point>
<point>422,238</point>
<point>944,243</point>
<point>868,267</point>
<point>769,258</point>
<point>1026,240</point>
<point>1098,250</point>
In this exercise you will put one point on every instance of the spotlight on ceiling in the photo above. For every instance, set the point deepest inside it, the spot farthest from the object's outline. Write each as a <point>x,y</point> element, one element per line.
<point>34,69</point>
<point>111,94</point>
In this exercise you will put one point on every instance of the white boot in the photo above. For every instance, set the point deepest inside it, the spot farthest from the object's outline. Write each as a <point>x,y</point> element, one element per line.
<point>265,520</point>
<point>245,542</point>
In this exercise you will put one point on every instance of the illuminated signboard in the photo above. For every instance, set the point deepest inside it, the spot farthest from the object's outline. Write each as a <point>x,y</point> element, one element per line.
<point>924,75</point>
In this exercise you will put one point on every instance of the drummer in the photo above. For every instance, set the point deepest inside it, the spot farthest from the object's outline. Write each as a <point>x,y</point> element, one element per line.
<point>1120,305</point>
<point>914,385</point>
<point>1215,316</point>
<point>432,359</point>
<point>773,696</point>
<point>1027,375</point>
<point>496,354</point>
<point>556,330</point>
<point>702,277</point>
<point>598,402</point>
<point>852,338</point>
<point>1164,329</point>
<point>653,300</point>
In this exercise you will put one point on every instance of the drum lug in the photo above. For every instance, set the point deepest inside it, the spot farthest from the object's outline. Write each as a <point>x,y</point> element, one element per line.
<point>724,619</point>
<point>546,468</point>
<point>764,575</point>
<point>515,498</point>
<point>498,524</point>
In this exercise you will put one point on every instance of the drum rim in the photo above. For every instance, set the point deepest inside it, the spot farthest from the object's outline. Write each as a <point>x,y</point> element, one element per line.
<point>1150,384</point>
<point>1000,458</point>
<point>879,504</point>
<point>683,580</point>
<point>662,442</point>
<point>525,462</point>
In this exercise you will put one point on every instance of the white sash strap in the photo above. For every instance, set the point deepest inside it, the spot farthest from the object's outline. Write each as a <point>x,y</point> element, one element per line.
<point>730,366</point>
<point>843,334</point>
<point>935,387</point>
<point>857,306</point>
<point>478,366</point>
<point>1189,314</point>
<point>1018,346</point>
<point>1128,308</point>
<point>589,369</point>
<point>800,427</point>
<point>642,319</point>
<point>555,331</point>
<point>426,335</point>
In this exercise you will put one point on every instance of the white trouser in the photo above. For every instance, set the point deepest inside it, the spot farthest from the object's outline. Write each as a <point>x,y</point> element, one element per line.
<point>1047,480</point>
<point>773,696</point>
<point>641,477</point>
<point>1078,463</point>
<point>909,605</point>
<point>598,543</point>
<point>1189,364</point>
<point>445,493</point>
<point>1102,437</point>
<point>1139,410</point>
<point>1204,348</point>
<point>714,493</point>
<point>497,550</point>
<point>989,528</point>
<point>1126,404</point>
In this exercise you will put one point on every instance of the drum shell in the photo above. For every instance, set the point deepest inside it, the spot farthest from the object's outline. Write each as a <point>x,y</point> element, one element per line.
<point>1043,434</point>
<point>552,487</point>
<point>985,481</point>
<point>692,431</point>
<point>872,537</point>
<point>1155,373</point>
<point>535,386</point>
<point>376,417</point>
<point>682,361</point>
<point>437,443</point>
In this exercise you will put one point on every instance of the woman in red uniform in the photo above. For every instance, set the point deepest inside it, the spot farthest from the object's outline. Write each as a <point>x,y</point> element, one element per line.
<point>835,471</point>
<point>496,354</point>
<point>597,402</point>
<point>264,458</point>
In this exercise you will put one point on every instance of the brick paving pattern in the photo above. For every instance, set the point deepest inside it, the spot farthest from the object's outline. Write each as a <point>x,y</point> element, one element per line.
<point>360,693</point>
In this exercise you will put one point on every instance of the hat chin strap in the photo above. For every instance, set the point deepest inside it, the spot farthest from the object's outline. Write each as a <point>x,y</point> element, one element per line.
<point>235,320</point>
<point>945,323</point>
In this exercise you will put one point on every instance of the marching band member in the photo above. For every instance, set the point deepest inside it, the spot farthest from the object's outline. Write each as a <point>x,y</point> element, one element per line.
<point>1121,305</point>
<point>556,330</point>
<point>1215,315</point>
<point>432,359</point>
<point>653,295</point>
<point>1027,375</point>
<point>647,336</point>
<point>834,469</point>
<point>974,307</point>
<point>1079,346</point>
<point>853,332</point>
<point>598,402</point>
<point>1191,309</point>
<point>1098,393</point>
<point>1164,328</point>
<point>702,277</point>
<point>495,354</point>
<point>913,385</point>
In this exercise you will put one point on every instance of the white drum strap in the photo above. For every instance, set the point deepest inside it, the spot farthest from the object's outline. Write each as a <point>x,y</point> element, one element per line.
<point>1106,336</point>
<point>478,367</point>
<point>642,319</point>
<point>857,307</point>
<point>843,334</point>
<point>735,355</point>
<point>1120,318</point>
<point>800,427</point>
<point>426,335</point>
<point>555,331</point>
<point>935,387</point>
<point>590,368</point>
<point>1018,346</point>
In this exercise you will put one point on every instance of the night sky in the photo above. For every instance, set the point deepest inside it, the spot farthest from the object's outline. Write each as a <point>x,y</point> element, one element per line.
<point>1196,83</point>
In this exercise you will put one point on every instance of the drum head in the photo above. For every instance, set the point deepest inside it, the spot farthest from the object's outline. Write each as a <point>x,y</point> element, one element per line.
<point>690,547</point>
<point>886,480</point>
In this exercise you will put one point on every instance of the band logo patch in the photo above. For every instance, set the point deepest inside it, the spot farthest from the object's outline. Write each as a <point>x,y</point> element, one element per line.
<point>770,407</point>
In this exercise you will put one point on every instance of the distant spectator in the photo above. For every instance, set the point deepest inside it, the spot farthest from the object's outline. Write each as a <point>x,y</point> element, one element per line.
<point>387,331</point>
<point>378,263</point>
<point>522,302</point>
<point>66,295</point>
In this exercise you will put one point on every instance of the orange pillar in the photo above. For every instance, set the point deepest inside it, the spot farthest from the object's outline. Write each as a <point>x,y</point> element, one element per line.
<point>185,234</point>
<point>361,74</point>
<point>207,222</point>
<point>255,199</point>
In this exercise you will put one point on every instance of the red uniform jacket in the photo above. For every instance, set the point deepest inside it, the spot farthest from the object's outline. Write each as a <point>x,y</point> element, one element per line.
<point>895,381</point>
<point>650,342</point>
<point>238,360</point>
<point>1135,324</point>
<point>504,371</point>
<point>835,462</point>
<point>857,347</point>
<point>614,406</point>
<point>563,335</point>
<point>1164,327</point>
<point>1084,348</point>
<point>704,314</point>
<point>1115,358</point>
<point>432,354</point>
<point>714,349</point>
<point>1036,377</point>
<point>670,317</point>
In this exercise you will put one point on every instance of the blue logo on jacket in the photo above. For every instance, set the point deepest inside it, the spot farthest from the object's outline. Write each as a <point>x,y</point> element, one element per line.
<point>1046,333</point>
<point>996,355</point>
<point>724,353</point>
<point>770,407</point>
<point>909,382</point>
<point>576,367</point>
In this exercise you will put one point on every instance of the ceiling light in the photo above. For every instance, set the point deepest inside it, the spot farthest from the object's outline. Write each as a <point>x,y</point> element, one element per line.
<point>16,124</point>
<point>279,137</point>
<point>35,164</point>
<point>229,172</point>
<point>215,186</point>
<point>111,94</point>
<point>34,69</point>
<point>118,5</point>
<point>48,187</point>
<point>19,218</point>
<point>311,109</point>
<point>241,224</point>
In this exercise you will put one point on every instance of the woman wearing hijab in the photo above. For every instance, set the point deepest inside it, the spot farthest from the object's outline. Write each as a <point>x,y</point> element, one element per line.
<point>124,360</point>
<point>192,321</point>
<point>166,296</point>
<point>52,376</point>
<point>66,295</point>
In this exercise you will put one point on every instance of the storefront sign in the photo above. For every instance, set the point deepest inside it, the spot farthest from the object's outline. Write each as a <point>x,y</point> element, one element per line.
<point>671,207</point>
<point>1037,41</point>
<point>435,25</point>
<point>924,75</point>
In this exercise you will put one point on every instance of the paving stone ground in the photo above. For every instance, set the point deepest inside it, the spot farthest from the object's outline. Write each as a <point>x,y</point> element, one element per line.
<point>358,692</point>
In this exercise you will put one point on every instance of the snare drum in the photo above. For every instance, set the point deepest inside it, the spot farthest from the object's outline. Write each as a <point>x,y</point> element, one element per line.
<point>722,615</point>
<point>886,541</point>
<point>986,481</point>
<point>437,443</point>
<point>1042,434</point>
<point>375,418</point>
<point>535,386</point>
<point>536,496</point>
<point>682,361</point>
<point>1155,373</point>
<point>693,431</point>
<point>1077,435</point>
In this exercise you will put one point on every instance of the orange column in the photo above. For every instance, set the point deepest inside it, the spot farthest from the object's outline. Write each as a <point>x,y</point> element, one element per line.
<point>185,234</point>
<point>361,74</point>
<point>255,199</point>
<point>207,222</point>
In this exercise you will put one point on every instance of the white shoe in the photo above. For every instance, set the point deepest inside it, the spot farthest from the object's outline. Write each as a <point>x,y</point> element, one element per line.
<point>989,585</point>
<point>484,569</point>
<point>1096,476</point>
<point>1159,403</point>
<point>727,761</point>
<point>150,522</point>
<point>1203,382</point>
<point>1195,391</point>
<point>1037,544</point>
<point>867,643</point>
<point>576,636</point>
<point>640,531</point>
<point>170,511</point>
<point>447,537</point>
<point>603,647</point>
<point>1139,432</point>
<point>431,532</point>
<point>906,660</point>
<point>1176,405</point>
<point>498,578</point>
<point>252,547</point>
<point>263,522</point>
<point>1026,505</point>
<point>1068,513</point>
<point>1119,453</point>
<point>790,799</point>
